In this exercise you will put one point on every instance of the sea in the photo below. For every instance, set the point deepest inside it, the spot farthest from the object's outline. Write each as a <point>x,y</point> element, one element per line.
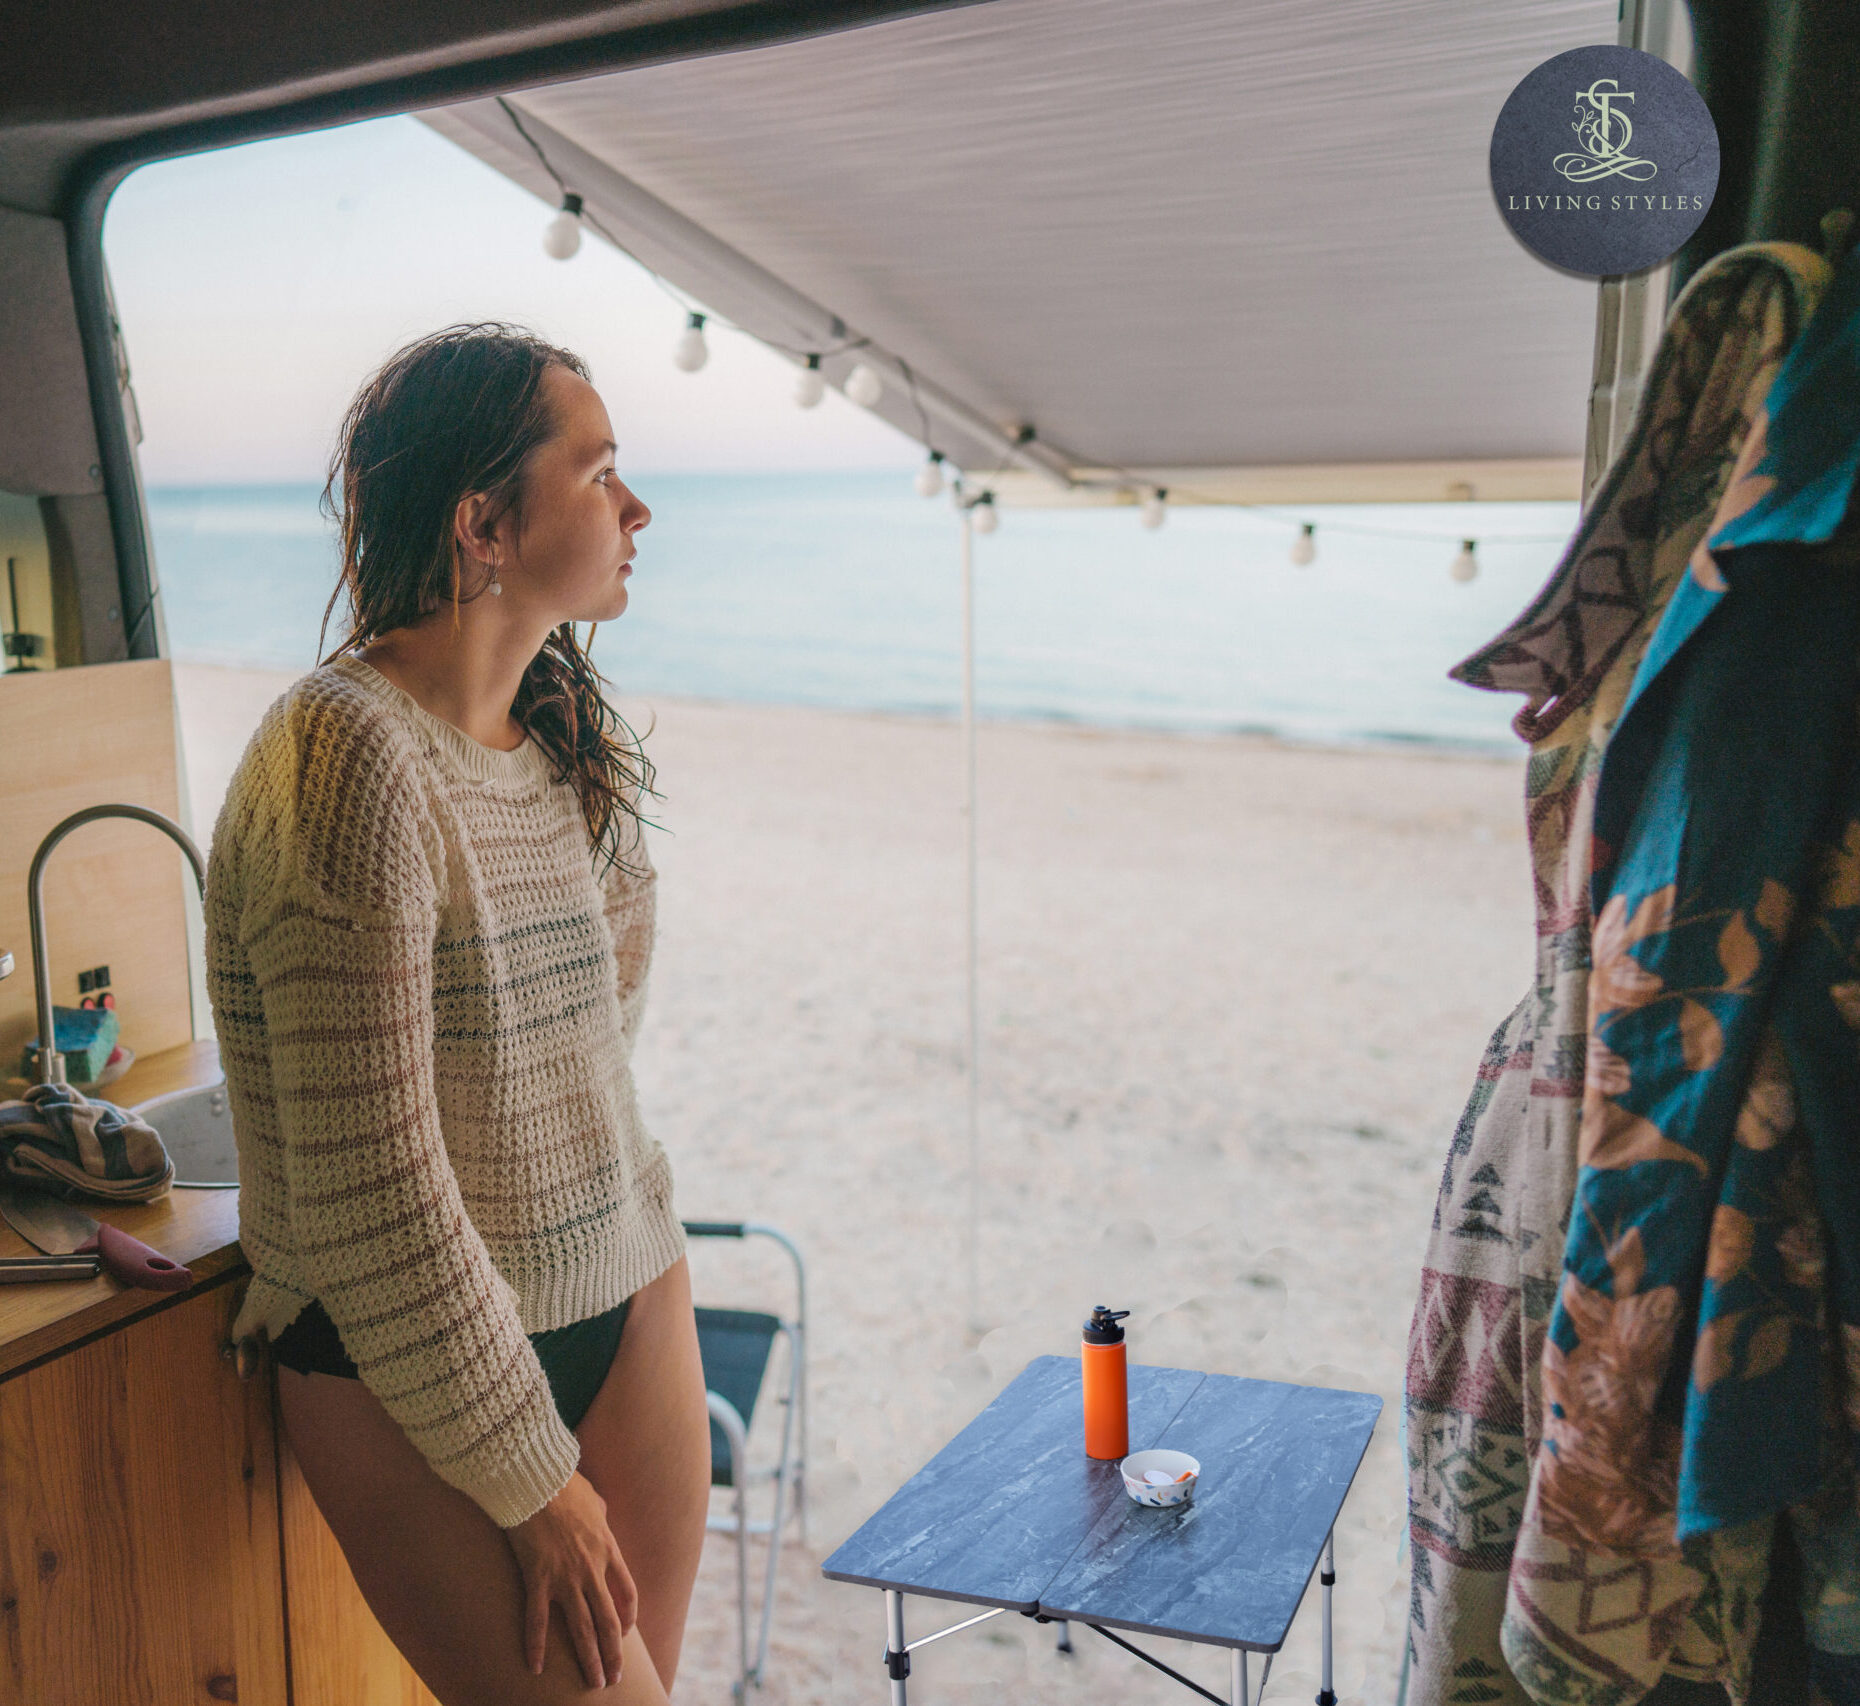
<point>843,590</point>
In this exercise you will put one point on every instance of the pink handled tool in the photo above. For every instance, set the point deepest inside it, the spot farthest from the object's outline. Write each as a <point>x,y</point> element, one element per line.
<point>133,1262</point>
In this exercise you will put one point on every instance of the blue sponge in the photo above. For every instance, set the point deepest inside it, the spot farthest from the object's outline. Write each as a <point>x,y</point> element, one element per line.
<point>86,1037</point>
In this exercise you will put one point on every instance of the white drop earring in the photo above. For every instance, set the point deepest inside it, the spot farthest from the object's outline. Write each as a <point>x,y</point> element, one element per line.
<point>497,586</point>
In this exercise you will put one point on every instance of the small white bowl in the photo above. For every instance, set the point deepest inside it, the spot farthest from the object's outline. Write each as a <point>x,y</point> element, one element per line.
<point>1172,1464</point>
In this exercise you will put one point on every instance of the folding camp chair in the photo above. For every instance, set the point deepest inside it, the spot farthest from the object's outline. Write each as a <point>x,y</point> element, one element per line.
<point>736,1345</point>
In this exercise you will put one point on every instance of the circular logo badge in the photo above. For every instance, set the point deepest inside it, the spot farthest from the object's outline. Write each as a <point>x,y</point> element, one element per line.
<point>1604,160</point>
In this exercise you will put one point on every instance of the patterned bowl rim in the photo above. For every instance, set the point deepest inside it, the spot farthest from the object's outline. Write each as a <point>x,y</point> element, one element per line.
<point>1194,1474</point>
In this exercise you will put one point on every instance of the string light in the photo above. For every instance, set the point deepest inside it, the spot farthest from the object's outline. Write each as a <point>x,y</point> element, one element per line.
<point>1155,508</point>
<point>930,476</point>
<point>984,515</point>
<point>812,385</point>
<point>1304,547</point>
<point>864,387</point>
<point>562,235</point>
<point>691,351</point>
<point>1465,566</point>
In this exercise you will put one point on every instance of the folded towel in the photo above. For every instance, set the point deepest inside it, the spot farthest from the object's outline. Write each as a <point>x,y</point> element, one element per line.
<point>55,1140</point>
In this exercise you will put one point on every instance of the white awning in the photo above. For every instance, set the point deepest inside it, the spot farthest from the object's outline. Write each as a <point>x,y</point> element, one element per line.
<point>1243,250</point>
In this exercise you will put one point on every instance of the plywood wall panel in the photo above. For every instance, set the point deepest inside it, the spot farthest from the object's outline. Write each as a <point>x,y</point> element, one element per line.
<point>71,738</point>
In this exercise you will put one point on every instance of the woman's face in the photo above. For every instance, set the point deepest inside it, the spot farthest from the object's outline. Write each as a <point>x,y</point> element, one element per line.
<point>570,560</point>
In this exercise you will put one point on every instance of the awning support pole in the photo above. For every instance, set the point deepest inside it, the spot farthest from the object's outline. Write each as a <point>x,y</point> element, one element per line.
<point>974,1085</point>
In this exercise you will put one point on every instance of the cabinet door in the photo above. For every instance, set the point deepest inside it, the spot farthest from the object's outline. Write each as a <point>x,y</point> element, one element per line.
<point>340,1655</point>
<point>139,1553</point>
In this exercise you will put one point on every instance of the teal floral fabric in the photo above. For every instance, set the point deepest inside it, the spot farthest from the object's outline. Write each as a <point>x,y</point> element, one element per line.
<point>1699,1368</point>
<point>1723,1082</point>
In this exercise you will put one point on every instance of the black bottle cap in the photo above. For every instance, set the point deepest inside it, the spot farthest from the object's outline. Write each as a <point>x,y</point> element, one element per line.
<point>1102,1328</point>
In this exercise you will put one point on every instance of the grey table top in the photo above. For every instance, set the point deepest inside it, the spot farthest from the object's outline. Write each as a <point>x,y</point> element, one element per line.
<point>1013,1513</point>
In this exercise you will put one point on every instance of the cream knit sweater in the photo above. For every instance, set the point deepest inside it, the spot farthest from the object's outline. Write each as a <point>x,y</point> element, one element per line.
<point>426,1003</point>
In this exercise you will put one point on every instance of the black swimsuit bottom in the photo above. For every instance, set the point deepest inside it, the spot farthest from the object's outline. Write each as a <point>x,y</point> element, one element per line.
<point>576,1358</point>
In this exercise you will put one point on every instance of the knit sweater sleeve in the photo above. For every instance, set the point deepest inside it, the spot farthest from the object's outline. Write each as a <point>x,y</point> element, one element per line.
<point>629,899</point>
<point>342,954</point>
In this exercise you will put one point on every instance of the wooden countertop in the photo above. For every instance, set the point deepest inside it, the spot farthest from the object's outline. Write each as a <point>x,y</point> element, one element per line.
<point>199,1229</point>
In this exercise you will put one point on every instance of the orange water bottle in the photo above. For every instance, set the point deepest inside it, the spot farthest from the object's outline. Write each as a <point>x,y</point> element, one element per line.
<point>1107,1394</point>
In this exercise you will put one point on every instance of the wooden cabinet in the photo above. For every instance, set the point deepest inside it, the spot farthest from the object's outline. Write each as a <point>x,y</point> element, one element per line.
<point>139,1539</point>
<point>157,1538</point>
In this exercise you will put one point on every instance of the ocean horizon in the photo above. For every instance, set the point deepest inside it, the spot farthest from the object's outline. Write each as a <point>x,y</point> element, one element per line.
<point>842,591</point>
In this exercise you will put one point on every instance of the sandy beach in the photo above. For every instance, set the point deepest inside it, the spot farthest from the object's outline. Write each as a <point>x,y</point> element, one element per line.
<point>1233,996</point>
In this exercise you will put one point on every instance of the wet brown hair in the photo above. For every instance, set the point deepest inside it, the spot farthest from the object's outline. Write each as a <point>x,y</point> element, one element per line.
<point>459,412</point>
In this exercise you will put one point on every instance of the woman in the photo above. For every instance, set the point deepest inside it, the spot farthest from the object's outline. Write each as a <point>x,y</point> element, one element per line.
<point>429,911</point>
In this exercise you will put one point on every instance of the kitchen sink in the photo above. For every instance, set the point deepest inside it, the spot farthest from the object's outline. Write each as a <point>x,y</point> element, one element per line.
<point>197,1130</point>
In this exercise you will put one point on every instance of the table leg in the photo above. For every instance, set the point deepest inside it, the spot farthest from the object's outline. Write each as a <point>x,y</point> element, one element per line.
<point>1238,1689</point>
<point>897,1660</point>
<point>1327,1581</point>
<point>1064,1644</point>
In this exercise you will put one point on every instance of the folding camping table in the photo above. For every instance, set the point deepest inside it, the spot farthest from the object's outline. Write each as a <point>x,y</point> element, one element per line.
<point>1013,1515</point>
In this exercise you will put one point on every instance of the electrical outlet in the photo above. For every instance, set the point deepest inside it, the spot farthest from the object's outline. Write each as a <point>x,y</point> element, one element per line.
<point>98,977</point>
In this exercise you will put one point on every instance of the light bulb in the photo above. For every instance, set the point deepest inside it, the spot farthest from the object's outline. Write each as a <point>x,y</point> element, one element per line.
<point>986,520</point>
<point>930,476</point>
<point>562,235</point>
<point>1465,566</point>
<point>812,384</point>
<point>691,351</point>
<point>1304,547</point>
<point>1155,508</point>
<point>864,387</point>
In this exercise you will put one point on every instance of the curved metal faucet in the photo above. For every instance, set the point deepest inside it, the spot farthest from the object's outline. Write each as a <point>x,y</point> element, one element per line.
<point>51,1062</point>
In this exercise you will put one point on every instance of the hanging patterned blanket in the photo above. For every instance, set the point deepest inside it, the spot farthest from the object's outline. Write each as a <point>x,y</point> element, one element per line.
<point>1492,1620</point>
<point>1699,1355</point>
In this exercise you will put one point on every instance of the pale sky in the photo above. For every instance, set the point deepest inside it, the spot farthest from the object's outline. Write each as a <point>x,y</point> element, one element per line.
<point>257,287</point>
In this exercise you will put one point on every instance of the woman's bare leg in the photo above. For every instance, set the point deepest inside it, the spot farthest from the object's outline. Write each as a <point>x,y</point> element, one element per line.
<point>435,1570</point>
<point>645,1445</point>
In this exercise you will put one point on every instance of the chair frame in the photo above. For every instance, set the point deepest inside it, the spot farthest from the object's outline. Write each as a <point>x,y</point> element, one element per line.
<point>788,1473</point>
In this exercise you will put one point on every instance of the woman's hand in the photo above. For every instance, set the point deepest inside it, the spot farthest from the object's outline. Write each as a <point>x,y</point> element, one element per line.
<point>569,1557</point>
